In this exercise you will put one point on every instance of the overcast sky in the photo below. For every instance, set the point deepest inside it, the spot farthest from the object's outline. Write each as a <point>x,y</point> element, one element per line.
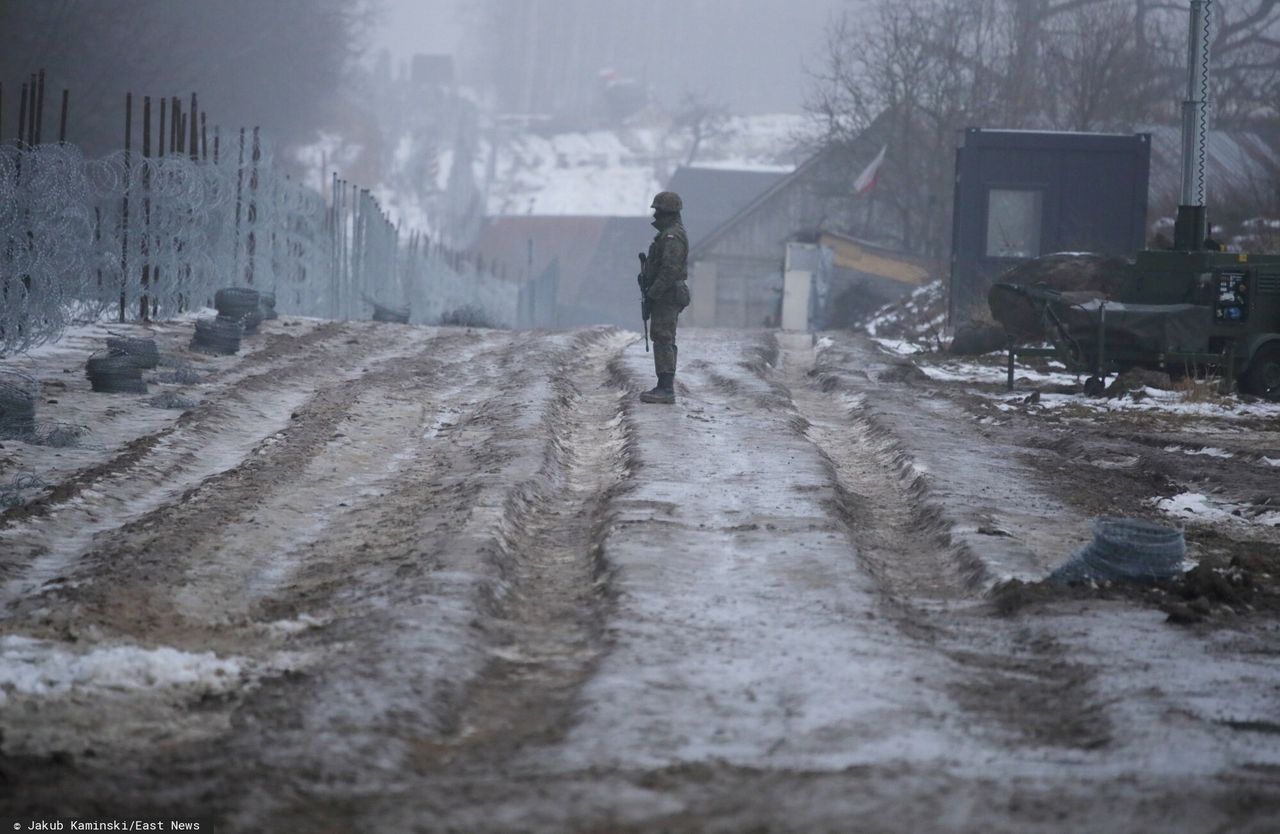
<point>748,54</point>
<point>410,26</point>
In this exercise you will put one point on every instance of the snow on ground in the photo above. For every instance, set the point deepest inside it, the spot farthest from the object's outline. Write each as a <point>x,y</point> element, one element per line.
<point>601,172</point>
<point>917,319</point>
<point>1153,401</point>
<point>992,370</point>
<point>1197,508</point>
<point>467,578</point>
<point>1207,451</point>
<point>751,583</point>
<point>45,668</point>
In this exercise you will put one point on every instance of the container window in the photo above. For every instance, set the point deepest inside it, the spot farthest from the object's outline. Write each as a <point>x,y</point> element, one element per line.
<point>1013,223</point>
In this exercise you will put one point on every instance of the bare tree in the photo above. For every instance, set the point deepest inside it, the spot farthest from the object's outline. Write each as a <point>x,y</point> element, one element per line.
<point>1098,76</point>
<point>924,71</point>
<point>928,68</point>
<point>701,121</point>
<point>1246,62</point>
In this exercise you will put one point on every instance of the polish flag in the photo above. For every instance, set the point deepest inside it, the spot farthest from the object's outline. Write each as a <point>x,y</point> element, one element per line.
<point>867,179</point>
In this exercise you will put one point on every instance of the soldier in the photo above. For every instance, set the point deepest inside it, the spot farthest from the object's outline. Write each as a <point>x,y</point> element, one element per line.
<point>666,291</point>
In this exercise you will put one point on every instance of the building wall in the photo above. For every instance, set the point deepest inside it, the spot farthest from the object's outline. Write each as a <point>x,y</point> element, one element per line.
<point>1090,195</point>
<point>748,256</point>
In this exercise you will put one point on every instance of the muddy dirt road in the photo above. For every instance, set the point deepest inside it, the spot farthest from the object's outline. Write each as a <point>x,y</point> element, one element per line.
<point>400,578</point>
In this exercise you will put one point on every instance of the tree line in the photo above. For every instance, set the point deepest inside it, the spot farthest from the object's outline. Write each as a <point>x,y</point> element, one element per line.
<point>922,70</point>
<point>278,64</point>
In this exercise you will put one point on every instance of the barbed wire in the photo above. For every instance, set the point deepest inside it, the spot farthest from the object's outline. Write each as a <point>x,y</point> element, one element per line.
<point>151,237</point>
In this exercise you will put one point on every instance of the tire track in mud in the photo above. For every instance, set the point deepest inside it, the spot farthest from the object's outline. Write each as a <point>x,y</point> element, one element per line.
<point>129,580</point>
<point>277,356</point>
<point>1024,682</point>
<point>462,608</point>
<point>392,563</point>
<point>899,534</point>
<point>232,424</point>
<point>496,612</point>
<point>546,627</point>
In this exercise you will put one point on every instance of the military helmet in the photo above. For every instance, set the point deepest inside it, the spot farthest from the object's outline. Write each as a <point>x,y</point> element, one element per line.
<point>668,201</point>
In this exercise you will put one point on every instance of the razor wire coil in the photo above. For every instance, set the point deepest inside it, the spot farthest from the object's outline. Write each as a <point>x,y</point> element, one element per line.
<point>1126,550</point>
<point>17,403</point>
<point>11,491</point>
<point>156,236</point>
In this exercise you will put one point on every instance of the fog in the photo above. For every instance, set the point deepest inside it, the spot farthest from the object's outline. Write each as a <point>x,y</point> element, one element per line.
<point>549,55</point>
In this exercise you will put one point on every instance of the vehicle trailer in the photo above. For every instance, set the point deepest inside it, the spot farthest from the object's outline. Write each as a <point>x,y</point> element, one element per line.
<point>1175,311</point>
<point>1193,307</point>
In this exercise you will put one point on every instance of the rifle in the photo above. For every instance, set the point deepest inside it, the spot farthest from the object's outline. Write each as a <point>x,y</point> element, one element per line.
<point>644,303</point>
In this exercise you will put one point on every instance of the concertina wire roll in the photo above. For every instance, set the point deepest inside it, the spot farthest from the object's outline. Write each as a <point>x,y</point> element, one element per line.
<point>81,238</point>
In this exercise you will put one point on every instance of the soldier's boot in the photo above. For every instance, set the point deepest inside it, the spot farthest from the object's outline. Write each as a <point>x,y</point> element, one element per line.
<point>664,392</point>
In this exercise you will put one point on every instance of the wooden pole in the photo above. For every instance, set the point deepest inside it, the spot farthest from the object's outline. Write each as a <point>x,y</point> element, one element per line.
<point>22,117</point>
<point>334,279</point>
<point>175,125</point>
<point>239,200</point>
<point>194,145</point>
<point>124,237</point>
<point>143,302</point>
<point>40,109</point>
<point>62,119</point>
<point>160,149</point>
<point>252,252</point>
<point>31,113</point>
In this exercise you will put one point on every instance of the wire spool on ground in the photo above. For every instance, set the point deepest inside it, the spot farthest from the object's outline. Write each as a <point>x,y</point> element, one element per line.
<point>17,403</point>
<point>169,399</point>
<point>115,374</point>
<point>179,373</point>
<point>219,335</point>
<point>241,304</point>
<point>143,351</point>
<point>1126,550</point>
<point>11,492</point>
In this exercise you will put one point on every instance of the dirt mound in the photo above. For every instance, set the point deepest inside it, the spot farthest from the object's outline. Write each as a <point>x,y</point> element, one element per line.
<point>918,318</point>
<point>1070,272</point>
<point>1079,275</point>
<point>1215,591</point>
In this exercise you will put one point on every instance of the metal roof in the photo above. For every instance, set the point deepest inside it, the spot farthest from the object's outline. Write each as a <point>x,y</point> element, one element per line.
<point>713,195</point>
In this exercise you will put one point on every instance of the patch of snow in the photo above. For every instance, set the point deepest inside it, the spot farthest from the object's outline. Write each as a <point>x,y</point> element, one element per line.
<point>1193,506</point>
<point>1198,508</point>
<point>899,347</point>
<point>746,165</point>
<point>610,173</point>
<point>961,371</point>
<point>1207,451</point>
<point>43,668</point>
<point>303,622</point>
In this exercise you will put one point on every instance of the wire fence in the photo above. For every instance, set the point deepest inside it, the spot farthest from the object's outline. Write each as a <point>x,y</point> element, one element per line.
<point>145,235</point>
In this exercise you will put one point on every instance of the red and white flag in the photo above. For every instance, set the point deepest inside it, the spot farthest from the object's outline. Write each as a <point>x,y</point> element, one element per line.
<point>867,179</point>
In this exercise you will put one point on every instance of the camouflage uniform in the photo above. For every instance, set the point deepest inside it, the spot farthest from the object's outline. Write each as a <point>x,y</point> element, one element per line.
<point>666,288</point>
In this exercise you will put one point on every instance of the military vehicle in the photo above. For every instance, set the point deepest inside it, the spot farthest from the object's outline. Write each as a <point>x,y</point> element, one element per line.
<point>1191,307</point>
